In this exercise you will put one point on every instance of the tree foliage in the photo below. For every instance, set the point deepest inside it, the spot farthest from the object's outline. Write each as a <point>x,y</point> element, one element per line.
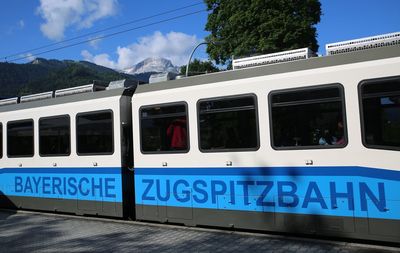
<point>252,27</point>
<point>197,67</point>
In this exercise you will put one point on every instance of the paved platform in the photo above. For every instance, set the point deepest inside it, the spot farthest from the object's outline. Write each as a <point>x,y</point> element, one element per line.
<point>36,232</point>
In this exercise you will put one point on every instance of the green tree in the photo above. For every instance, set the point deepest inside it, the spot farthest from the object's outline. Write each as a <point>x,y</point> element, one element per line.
<point>197,67</point>
<point>249,27</point>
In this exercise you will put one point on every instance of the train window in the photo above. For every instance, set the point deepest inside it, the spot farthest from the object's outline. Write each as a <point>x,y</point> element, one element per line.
<point>54,136</point>
<point>20,138</point>
<point>311,117</point>
<point>164,128</point>
<point>1,140</point>
<point>228,124</point>
<point>95,133</point>
<point>380,112</point>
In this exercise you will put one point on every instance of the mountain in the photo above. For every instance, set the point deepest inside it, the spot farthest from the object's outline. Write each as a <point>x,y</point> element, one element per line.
<point>42,75</point>
<point>153,65</point>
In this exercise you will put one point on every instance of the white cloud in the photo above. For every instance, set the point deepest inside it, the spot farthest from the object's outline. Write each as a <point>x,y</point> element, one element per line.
<point>21,24</point>
<point>94,42</point>
<point>28,56</point>
<point>59,15</point>
<point>100,59</point>
<point>18,26</point>
<point>174,46</point>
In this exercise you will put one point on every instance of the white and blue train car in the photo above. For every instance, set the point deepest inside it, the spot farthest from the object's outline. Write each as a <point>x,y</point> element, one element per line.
<point>310,146</point>
<point>67,152</point>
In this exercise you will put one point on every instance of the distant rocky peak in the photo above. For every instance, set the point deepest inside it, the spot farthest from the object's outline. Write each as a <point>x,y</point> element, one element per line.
<point>38,61</point>
<point>153,64</point>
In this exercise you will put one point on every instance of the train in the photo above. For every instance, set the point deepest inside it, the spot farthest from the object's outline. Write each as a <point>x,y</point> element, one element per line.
<point>287,142</point>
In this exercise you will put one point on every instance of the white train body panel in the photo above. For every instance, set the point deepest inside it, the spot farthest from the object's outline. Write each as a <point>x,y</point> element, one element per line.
<point>71,109</point>
<point>75,183</point>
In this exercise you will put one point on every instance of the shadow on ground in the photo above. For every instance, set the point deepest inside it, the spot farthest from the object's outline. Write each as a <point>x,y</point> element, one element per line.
<point>27,232</point>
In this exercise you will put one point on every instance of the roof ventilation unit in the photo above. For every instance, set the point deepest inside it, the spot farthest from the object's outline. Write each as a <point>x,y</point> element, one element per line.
<point>34,97</point>
<point>79,89</point>
<point>267,59</point>
<point>124,83</point>
<point>9,101</point>
<point>162,77</point>
<point>363,43</point>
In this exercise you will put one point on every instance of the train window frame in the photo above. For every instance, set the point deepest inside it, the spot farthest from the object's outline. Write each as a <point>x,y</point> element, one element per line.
<point>70,135</point>
<point>112,131</point>
<point>187,130</point>
<point>229,150</point>
<point>33,135</point>
<point>305,88</point>
<point>1,141</point>
<point>361,111</point>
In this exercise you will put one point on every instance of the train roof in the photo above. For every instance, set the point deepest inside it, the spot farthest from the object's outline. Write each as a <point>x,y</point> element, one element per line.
<point>70,99</point>
<point>305,64</point>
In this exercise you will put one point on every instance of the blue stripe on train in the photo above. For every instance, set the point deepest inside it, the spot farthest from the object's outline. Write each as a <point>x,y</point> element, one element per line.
<point>96,184</point>
<point>277,171</point>
<point>338,191</point>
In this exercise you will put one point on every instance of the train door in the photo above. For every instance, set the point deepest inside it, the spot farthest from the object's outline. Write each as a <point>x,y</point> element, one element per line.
<point>127,163</point>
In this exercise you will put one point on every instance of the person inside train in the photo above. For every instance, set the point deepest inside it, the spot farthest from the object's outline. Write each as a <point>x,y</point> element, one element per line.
<point>340,134</point>
<point>327,138</point>
<point>336,139</point>
<point>177,134</point>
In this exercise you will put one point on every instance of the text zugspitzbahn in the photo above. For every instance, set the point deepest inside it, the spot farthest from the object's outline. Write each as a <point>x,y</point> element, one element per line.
<point>241,193</point>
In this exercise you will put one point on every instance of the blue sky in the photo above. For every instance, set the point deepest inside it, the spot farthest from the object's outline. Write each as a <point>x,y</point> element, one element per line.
<point>25,25</point>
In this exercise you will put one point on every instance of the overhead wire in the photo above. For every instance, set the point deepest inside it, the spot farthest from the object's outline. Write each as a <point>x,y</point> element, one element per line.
<point>106,36</point>
<point>95,32</point>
